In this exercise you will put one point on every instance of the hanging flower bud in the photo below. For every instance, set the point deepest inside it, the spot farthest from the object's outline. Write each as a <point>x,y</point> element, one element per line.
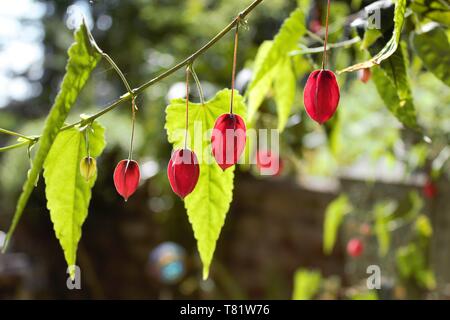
<point>364,75</point>
<point>228,139</point>
<point>269,163</point>
<point>126,177</point>
<point>183,171</point>
<point>321,95</point>
<point>88,167</point>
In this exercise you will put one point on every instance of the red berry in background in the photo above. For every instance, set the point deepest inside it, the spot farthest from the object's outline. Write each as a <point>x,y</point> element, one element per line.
<point>429,189</point>
<point>365,229</point>
<point>126,177</point>
<point>228,139</point>
<point>269,163</point>
<point>183,171</point>
<point>315,26</point>
<point>321,95</point>
<point>355,247</point>
<point>364,75</point>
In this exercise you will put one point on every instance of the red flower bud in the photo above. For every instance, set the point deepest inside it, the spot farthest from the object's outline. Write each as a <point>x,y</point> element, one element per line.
<point>183,171</point>
<point>126,177</point>
<point>269,163</point>
<point>321,95</point>
<point>429,189</point>
<point>355,247</point>
<point>364,74</point>
<point>228,139</point>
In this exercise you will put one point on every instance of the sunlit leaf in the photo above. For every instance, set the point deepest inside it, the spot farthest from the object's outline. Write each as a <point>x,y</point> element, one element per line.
<point>334,215</point>
<point>68,193</point>
<point>284,88</point>
<point>306,284</point>
<point>82,60</point>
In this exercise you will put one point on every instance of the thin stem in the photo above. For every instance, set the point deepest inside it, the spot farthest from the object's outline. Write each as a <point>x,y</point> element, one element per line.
<point>198,84</point>
<point>165,74</point>
<point>133,120</point>
<point>233,72</point>
<point>187,108</point>
<point>14,146</point>
<point>16,134</point>
<point>307,50</point>
<point>324,57</point>
<point>119,72</point>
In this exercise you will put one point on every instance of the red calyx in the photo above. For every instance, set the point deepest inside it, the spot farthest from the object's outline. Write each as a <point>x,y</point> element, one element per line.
<point>321,95</point>
<point>429,189</point>
<point>183,171</point>
<point>126,177</point>
<point>269,163</point>
<point>355,247</point>
<point>228,139</point>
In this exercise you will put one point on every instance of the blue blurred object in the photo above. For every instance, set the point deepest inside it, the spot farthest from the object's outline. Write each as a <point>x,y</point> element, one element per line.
<point>167,262</point>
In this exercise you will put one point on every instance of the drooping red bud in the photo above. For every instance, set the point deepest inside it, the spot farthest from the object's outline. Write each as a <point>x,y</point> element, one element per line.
<point>429,189</point>
<point>228,139</point>
<point>364,75</point>
<point>126,177</point>
<point>269,163</point>
<point>321,95</point>
<point>355,247</point>
<point>183,171</point>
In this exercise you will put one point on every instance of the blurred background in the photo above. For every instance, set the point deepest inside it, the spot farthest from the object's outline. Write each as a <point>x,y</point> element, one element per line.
<point>391,184</point>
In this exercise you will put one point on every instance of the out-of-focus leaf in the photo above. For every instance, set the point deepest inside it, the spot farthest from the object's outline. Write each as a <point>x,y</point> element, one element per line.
<point>383,212</point>
<point>208,204</point>
<point>437,10</point>
<point>284,42</point>
<point>392,83</point>
<point>423,226</point>
<point>370,36</point>
<point>284,87</point>
<point>391,45</point>
<point>82,60</point>
<point>306,284</point>
<point>433,49</point>
<point>334,215</point>
<point>366,295</point>
<point>258,91</point>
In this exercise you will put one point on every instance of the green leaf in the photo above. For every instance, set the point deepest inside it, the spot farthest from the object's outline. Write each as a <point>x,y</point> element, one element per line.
<point>306,284</point>
<point>383,213</point>
<point>437,10</point>
<point>334,215</point>
<point>393,86</point>
<point>258,92</point>
<point>370,36</point>
<point>82,60</point>
<point>67,192</point>
<point>208,204</point>
<point>433,49</point>
<point>423,226</point>
<point>365,295</point>
<point>284,87</point>
<point>412,264</point>
<point>391,45</point>
<point>284,42</point>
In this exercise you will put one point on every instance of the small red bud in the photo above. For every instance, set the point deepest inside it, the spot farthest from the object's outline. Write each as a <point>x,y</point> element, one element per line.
<point>364,74</point>
<point>321,95</point>
<point>269,163</point>
<point>355,247</point>
<point>228,139</point>
<point>429,189</point>
<point>183,172</point>
<point>126,177</point>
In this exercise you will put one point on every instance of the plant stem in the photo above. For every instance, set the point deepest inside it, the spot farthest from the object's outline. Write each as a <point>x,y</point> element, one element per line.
<point>307,50</point>
<point>14,146</point>
<point>233,72</point>
<point>12,133</point>
<point>187,108</point>
<point>324,57</point>
<point>134,92</point>
<point>198,84</point>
